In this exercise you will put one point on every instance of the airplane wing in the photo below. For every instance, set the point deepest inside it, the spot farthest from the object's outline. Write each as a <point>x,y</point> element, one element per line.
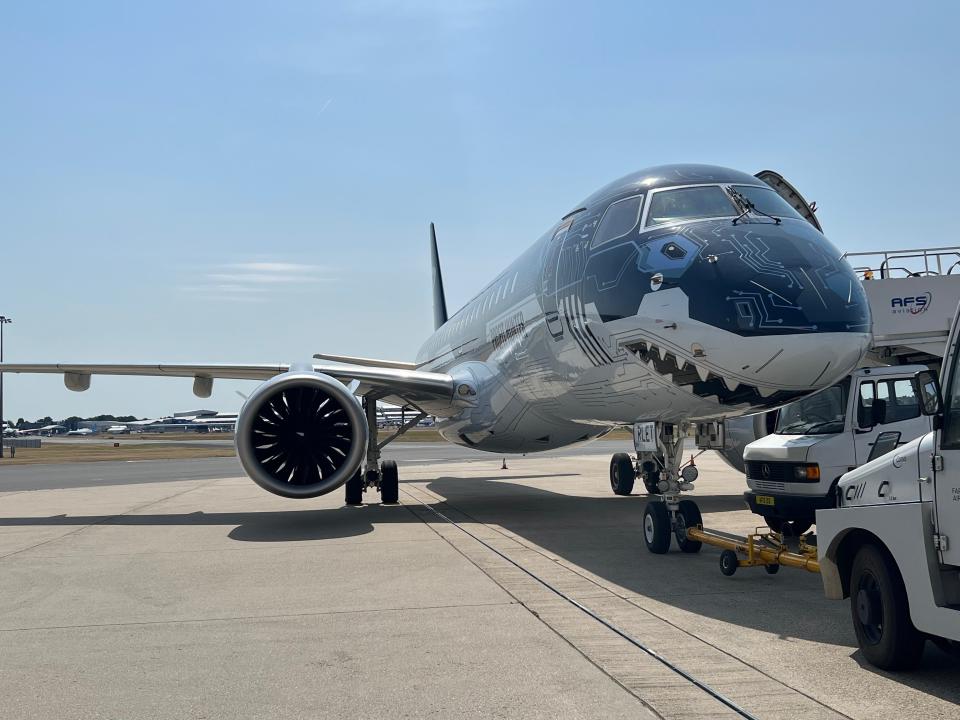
<point>409,386</point>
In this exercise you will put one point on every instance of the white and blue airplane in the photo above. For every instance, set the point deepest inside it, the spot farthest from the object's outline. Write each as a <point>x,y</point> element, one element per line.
<point>676,294</point>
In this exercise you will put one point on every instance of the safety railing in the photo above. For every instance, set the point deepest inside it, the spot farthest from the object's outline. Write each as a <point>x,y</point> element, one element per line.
<point>914,262</point>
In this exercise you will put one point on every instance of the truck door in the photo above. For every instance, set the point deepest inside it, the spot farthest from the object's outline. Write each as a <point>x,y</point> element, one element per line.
<point>864,430</point>
<point>946,489</point>
<point>887,404</point>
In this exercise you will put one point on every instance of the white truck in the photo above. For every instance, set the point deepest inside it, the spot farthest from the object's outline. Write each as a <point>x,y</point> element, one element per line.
<point>893,543</point>
<point>794,471</point>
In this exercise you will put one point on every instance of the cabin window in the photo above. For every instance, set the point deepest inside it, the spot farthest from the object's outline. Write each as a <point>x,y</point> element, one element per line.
<point>694,203</point>
<point>768,201</point>
<point>619,219</point>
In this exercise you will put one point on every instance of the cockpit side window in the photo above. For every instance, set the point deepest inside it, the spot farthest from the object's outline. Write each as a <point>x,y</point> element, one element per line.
<point>693,203</point>
<point>618,220</point>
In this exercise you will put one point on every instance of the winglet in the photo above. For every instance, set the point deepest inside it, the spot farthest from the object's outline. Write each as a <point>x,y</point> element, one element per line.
<point>439,300</point>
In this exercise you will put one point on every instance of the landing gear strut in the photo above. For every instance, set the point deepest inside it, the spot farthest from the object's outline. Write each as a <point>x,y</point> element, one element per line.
<point>383,476</point>
<point>658,465</point>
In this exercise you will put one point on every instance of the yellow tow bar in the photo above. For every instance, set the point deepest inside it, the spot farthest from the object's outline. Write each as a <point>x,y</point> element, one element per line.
<point>760,548</point>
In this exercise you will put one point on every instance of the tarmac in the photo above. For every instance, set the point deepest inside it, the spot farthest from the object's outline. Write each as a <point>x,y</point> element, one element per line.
<point>179,589</point>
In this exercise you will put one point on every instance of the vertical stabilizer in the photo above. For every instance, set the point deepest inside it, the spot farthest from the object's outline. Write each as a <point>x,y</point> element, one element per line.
<point>439,300</point>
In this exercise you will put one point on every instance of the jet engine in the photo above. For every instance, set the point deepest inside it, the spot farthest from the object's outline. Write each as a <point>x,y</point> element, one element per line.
<point>301,434</point>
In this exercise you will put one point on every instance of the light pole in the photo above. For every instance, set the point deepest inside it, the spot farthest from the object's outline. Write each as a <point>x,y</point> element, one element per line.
<point>4,320</point>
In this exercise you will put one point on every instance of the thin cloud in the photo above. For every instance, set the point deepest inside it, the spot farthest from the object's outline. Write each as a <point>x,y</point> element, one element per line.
<point>255,280</point>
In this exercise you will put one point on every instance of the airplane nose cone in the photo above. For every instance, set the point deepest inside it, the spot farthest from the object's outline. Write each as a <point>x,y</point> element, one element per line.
<point>792,316</point>
<point>765,279</point>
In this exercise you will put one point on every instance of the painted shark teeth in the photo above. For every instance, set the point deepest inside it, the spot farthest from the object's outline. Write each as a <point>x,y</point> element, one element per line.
<point>697,378</point>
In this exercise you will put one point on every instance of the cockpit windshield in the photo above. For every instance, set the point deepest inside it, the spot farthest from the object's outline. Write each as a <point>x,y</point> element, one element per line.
<point>692,203</point>
<point>768,201</point>
<point>822,413</point>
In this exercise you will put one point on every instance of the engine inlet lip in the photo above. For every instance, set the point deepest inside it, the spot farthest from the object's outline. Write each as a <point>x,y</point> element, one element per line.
<point>248,413</point>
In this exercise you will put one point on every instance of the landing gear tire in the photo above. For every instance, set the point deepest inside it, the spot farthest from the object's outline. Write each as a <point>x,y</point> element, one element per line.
<point>621,474</point>
<point>789,528</point>
<point>729,562</point>
<point>651,477</point>
<point>881,616</point>
<point>656,527</point>
<point>354,488</point>
<point>688,516</point>
<point>772,569</point>
<point>389,482</point>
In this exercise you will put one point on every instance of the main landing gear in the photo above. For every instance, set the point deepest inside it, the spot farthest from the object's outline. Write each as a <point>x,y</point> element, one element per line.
<point>664,476</point>
<point>380,475</point>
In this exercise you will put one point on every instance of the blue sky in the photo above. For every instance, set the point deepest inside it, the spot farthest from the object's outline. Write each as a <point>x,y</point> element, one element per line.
<point>252,183</point>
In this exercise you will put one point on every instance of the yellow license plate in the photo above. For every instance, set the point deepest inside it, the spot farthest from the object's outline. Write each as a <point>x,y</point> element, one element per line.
<point>765,500</point>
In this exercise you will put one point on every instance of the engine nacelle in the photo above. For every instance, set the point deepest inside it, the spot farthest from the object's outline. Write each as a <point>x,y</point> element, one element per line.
<point>301,434</point>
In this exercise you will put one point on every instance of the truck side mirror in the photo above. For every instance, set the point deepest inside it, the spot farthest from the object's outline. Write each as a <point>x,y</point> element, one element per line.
<point>926,385</point>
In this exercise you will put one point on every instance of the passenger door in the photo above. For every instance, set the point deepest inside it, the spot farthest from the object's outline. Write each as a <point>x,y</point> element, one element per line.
<point>548,283</point>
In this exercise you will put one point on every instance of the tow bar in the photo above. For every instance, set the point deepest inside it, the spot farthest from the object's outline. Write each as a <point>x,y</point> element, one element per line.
<point>760,548</point>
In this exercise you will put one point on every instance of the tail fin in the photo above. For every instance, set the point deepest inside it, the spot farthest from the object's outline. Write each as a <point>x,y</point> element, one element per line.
<point>439,300</point>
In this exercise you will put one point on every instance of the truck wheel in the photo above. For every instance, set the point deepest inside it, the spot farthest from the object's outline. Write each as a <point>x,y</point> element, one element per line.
<point>656,527</point>
<point>688,516</point>
<point>621,474</point>
<point>881,616</point>
<point>790,528</point>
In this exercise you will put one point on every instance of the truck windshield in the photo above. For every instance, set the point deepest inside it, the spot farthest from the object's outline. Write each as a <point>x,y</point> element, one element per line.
<point>823,413</point>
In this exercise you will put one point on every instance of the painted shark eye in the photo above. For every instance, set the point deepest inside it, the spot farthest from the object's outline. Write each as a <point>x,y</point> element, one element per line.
<point>674,251</point>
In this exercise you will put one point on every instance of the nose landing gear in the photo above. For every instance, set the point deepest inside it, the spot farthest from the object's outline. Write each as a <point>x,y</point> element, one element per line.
<point>659,464</point>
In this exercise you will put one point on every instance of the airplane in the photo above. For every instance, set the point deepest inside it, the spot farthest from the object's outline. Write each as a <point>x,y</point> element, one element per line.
<point>82,432</point>
<point>45,430</point>
<point>675,294</point>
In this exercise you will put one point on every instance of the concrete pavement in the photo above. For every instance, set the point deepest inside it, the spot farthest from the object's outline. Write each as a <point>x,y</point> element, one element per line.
<point>182,590</point>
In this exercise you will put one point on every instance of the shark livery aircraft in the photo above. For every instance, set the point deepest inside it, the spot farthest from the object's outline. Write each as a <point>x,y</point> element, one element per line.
<point>678,293</point>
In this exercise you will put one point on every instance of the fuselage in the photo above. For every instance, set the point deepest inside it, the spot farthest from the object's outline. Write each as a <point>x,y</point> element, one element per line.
<point>657,298</point>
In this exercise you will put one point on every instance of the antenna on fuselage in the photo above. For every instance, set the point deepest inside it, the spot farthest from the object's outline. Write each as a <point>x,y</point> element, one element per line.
<point>439,300</point>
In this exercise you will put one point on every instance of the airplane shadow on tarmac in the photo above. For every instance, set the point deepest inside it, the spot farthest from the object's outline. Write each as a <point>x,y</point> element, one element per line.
<point>601,535</point>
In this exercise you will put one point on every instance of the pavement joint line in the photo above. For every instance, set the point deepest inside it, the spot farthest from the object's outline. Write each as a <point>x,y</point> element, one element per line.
<point>633,600</point>
<point>235,618</point>
<point>108,517</point>
<point>633,693</point>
